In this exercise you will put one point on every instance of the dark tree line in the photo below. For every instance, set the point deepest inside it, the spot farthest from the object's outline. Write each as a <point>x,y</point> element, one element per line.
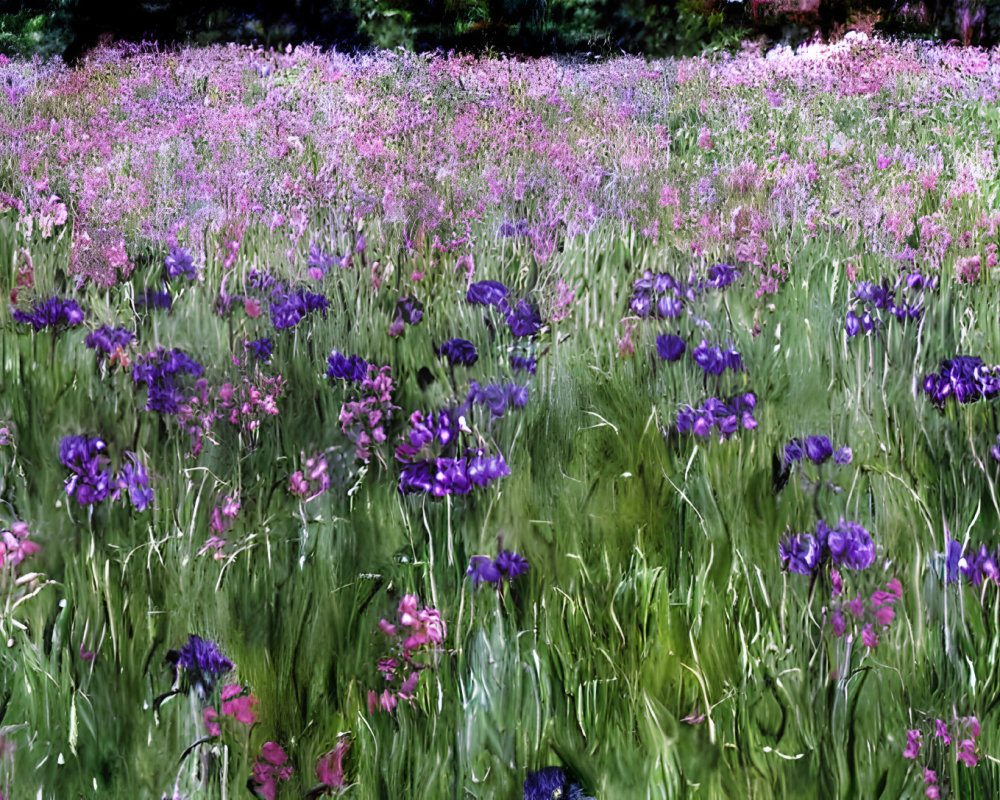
<point>72,27</point>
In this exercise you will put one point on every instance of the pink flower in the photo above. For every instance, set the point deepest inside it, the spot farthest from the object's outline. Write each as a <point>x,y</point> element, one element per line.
<point>869,637</point>
<point>912,744</point>
<point>268,770</point>
<point>967,752</point>
<point>837,624</point>
<point>387,627</point>
<point>85,654</point>
<point>252,307</point>
<point>941,731</point>
<point>408,610</point>
<point>838,583</point>
<point>895,587</point>
<point>705,139</point>
<point>932,792</point>
<point>213,727</point>
<point>297,483</point>
<point>237,705</point>
<point>409,686</point>
<point>856,607</point>
<point>330,767</point>
<point>929,775</point>
<point>884,615</point>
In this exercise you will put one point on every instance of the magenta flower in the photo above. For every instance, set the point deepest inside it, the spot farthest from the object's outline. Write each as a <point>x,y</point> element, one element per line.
<point>269,769</point>
<point>869,637</point>
<point>967,752</point>
<point>912,744</point>
<point>330,767</point>
<point>941,731</point>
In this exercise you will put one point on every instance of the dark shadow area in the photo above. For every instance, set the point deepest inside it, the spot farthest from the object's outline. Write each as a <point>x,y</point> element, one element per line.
<point>71,28</point>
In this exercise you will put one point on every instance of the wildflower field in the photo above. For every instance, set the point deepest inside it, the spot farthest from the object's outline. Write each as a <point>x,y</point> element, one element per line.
<point>426,426</point>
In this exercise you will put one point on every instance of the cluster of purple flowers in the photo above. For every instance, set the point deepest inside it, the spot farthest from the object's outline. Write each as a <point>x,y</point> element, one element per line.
<point>498,397</point>
<point>200,664</point>
<point>957,739</point>
<point>483,568</point>
<point>409,311</point>
<point>871,300</point>
<point>849,544</point>
<point>715,360</point>
<point>459,351</point>
<point>526,363</point>
<point>179,264</point>
<point>817,449</point>
<point>964,378</point>
<point>348,368</point>
<point>522,318</point>
<point>151,297</point>
<point>107,340</point>
<point>91,481</point>
<point>51,313</point>
<point>320,263</point>
<point>714,413</point>
<point>159,370</point>
<point>663,296</point>
<point>552,783</point>
<point>261,348</point>
<point>519,228</point>
<point>288,308</point>
<point>443,476</point>
<point>974,564</point>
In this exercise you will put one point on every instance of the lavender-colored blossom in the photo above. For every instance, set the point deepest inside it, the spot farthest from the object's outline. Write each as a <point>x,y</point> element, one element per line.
<point>486,292</point>
<point>106,339</point>
<point>179,263</point>
<point>843,456</point>
<point>482,568</point>
<point>799,553</point>
<point>459,351</point>
<point>818,448</point>
<point>529,365</point>
<point>524,320</point>
<point>201,663</point>
<point>261,348</point>
<point>851,545</point>
<point>134,479</point>
<point>85,458</point>
<point>511,564</point>
<point>409,310</point>
<point>351,368</point>
<point>670,347</point>
<point>53,312</point>
<point>721,275</point>
<point>793,451</point>
<point>552,783</point>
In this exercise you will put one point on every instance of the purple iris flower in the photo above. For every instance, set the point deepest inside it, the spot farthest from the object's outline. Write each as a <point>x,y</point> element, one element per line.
<point>800,553</point>
<point>459,351</point>
<point>818,448</point>
<point>843,456</point>
<point>351,368</point>
<point>201,663</point>
<point>486,292</point>
<point>53,312</point>
<point>529,365</point>
<point>524,319</point>
<point>482,568</point>
<point>851,545</point>
<point>670,347</point>
<point>179,263</point>
<point>511,564</point>
<point>105,339</point>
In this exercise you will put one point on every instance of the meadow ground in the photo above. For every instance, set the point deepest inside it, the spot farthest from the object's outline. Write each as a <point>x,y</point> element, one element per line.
<point>487,415</point>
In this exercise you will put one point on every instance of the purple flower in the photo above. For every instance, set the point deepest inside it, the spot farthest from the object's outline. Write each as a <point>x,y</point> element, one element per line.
<point>953,555</point>
<point>843,456</point>
<point>793,451</point>
<point>818,448</point>
<point>179,263</point>
<point>912,744</point>
<point>90,481</point>
<point>511,564</point>
<point>551,783</point>
<point>669,307</point>
<point>851,545</point>
<point>481,568</point>
<point>409,310</point>
<point>353,368</point>
<point>262,348</point>
<point>524,319</point>
<point>721,275</point>
<point>105,339</point>
<point>154,298</point>
<point>670,347</point>
<point>852,324</point>
<point>201,663</point>
<point>459,351</point>
<point>134,479</point>
<point>53,312</point>
<point>529,365</point>
<point>486,292</point>
<point>799,553</point>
